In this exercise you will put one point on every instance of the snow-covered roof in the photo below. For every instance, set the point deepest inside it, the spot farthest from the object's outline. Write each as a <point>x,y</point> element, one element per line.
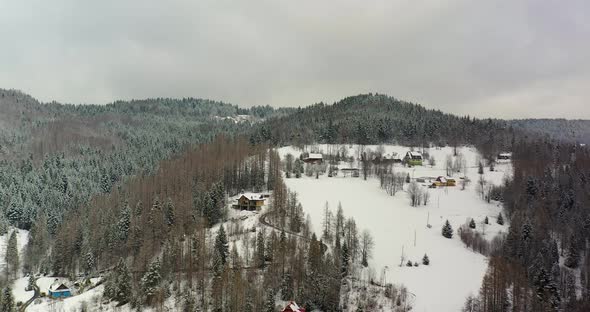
<point>57,286</point>
<point>293,307</point>
<point>314,156</point>
<point>505,154</point>
<point>253,196</point>
<point>415,154</point>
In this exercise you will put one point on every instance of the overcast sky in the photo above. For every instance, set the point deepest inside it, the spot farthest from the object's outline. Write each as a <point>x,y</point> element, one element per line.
<point>510,59</point>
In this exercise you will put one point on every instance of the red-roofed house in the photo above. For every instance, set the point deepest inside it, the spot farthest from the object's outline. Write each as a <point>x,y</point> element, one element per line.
<point>293,307</point>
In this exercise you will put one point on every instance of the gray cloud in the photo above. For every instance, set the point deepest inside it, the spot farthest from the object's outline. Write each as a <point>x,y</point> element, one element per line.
<point>522,58</point>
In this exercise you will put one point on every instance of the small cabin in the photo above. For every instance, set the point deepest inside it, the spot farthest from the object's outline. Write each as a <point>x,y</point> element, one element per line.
<point>413,158</point>
<point>250,202</point>
<point>59,290</point>
<point>314,158</point>
<point>504,156</point>
<point>352,171</point>
<point>293,307</point>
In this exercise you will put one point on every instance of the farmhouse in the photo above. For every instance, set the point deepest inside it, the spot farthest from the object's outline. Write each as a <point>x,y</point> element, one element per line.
<point>59,290</point>
<point>314,158</point>
<point>250,201</point>
<point>413,158</point>
<point>293,307</point>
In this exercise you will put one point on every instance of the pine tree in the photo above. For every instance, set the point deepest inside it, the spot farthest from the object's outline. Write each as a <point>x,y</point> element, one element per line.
<point>447,230</point>
<point>472,224</point>
<point>89,262</point>
<point>12,258</point>
<point>500,219</point>
<point>269,248</point>
<point>287,287</point>
<point>124,222</point>
<point>221,245</point>
<point>345,259</point>
<point>123,283</point>
<point>14,214</point>
<point>7,304</point>
<point>150,281</point>
<point>3,224</point>
<point>425,260</point>
<point>169,214</point>
<point>573,256</point>
<point>270,305</point>
<point>260,249</point>
<point>249,306</point>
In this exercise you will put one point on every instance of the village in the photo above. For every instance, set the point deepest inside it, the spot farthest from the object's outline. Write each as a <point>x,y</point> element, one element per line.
<point>345,175</point>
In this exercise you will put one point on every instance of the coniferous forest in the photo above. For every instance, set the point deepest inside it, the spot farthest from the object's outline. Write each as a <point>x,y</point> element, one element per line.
<point>135,191</point>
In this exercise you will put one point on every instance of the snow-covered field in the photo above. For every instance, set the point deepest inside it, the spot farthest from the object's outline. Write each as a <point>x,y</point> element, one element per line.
<point>454,271</point>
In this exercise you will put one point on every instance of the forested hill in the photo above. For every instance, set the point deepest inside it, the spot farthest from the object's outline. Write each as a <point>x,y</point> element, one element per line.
<point>375,118</point>
<point>54,157</point>
<point>575,131</point>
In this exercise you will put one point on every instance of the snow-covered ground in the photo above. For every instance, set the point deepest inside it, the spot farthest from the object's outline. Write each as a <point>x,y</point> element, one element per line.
<point>454,271</point>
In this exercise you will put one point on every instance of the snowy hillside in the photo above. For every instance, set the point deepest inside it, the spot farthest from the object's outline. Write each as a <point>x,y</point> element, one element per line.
<point>454,271</point>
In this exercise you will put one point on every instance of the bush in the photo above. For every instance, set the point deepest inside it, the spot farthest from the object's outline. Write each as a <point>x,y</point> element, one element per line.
<point>474,240</point>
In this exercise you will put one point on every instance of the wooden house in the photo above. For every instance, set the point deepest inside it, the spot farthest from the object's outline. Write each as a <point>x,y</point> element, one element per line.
<point>314,158</point>
<point>250,202</point>
<point>293,307</point>
<point>59,290</point>
<point>413,158</point>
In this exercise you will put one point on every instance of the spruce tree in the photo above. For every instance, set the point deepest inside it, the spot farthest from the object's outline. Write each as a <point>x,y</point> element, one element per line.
<point>260,249</point>
<point>169,214</point>
<point>12,258</point>
<point>500,219</point>
<point>287,287</point>
<point>7,304</point>
<point>124,222</point>
<point>573,256</point>
<point>425,260</point>
<point>486,220</point>
<point>447,230</point>
<point>472,224</point>
<point>345,259</point>
<point>221,245</point>
<point>14,214</point>
<point>151,280</point>
<point>269,304</point>
<point>123,283</point>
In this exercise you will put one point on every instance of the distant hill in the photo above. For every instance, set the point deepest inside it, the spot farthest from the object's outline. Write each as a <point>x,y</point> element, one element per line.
<point>577,131</point>
<point>375,119</point>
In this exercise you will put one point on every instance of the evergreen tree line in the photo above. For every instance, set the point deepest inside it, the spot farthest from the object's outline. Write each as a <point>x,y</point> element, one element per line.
<point>543,262</point>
